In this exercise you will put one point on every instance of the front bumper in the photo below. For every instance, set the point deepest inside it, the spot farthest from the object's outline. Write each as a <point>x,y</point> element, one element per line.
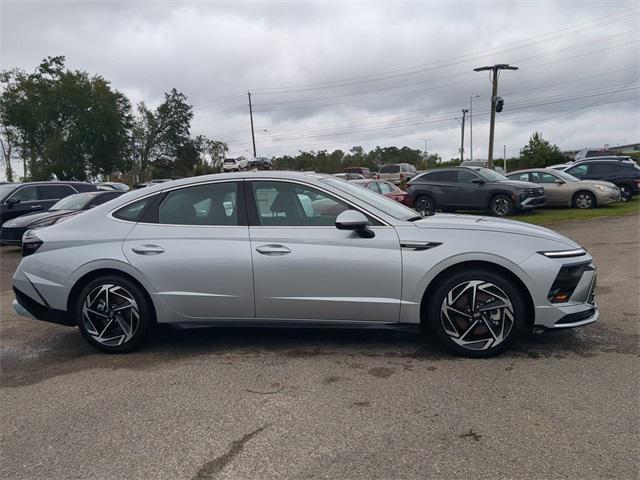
<point>579,310</point>
<point>532,202</point>
<point>12,236</point>
<point>604,198</point>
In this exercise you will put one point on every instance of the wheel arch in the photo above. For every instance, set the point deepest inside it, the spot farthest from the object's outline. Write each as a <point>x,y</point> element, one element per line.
<point>105,271</point>
<point>586,190</point>
<point>497,193</point>
<point>478,264</point>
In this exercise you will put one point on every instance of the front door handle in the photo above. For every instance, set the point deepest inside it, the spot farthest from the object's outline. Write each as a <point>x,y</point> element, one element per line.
<point>36,206</point>
<point>147,249</point>
<point>273,249</point>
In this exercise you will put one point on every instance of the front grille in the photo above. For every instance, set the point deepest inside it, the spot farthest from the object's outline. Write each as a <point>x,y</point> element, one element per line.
<point>11,234</point>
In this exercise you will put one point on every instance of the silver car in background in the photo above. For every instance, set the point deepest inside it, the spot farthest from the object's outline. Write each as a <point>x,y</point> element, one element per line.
<point>265,248</point>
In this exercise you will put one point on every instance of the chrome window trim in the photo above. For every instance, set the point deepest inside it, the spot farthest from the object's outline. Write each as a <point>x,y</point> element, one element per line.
<point>252,179</point>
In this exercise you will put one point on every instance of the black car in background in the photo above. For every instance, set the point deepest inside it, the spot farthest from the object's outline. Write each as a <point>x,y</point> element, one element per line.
<point>625,174</point>
<point>472,188</point>
<point>17,199</point>
<point>12,230</point>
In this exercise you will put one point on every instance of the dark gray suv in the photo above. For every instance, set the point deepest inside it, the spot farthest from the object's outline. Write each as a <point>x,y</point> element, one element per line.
<point>472,188</point>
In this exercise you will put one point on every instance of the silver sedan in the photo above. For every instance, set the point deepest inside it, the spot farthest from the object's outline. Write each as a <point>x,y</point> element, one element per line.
<point>265,248</point>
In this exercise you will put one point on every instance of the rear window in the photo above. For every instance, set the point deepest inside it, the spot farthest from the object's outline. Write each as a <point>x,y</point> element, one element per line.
<point>133,211</point>
<point>229,160</point>
<point>390,169</point>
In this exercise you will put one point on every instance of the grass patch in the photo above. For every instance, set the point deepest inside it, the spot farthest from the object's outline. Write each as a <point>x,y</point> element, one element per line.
<point>552,215</point>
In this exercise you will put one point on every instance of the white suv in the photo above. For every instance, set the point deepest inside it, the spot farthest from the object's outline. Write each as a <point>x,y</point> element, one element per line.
<point>397,172</point>
<point>234,164</point>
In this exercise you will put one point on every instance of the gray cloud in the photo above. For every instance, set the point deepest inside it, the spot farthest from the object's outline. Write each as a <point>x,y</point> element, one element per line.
<point>211,50</point>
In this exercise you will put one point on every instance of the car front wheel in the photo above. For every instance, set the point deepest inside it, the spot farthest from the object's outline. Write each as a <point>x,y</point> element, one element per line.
<point>113,314</point>
<point>584,200</point>
<point>476,313</point>
<point>501,206</point>
<point>424,204</point>
<point>625,193</point>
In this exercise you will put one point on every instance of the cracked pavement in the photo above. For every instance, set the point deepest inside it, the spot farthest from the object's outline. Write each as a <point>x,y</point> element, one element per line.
<point>326,404</point>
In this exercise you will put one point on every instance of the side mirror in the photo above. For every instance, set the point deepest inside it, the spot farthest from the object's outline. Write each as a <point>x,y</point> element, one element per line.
<point>356,221</point>
<point>12,201</point>
<point>559,181</point>
<point>477,180</point>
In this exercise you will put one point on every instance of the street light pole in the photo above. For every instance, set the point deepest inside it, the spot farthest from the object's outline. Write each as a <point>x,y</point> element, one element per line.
<point>494,69</point>
<point>253,135</point>
<point>464,113</point>
<point>471,124</point>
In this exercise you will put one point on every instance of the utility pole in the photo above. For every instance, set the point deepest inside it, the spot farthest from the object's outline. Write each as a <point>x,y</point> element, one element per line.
<point>471,124</point>
<point>496,102</point>
<point>253,135</point>
<point>464,113</point>
<point>504,158</point>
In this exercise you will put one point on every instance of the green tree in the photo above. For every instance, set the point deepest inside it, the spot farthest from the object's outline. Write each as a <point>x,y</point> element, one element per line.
<point>64,122</point>
<point>540,153</point>
<point>161,135</point>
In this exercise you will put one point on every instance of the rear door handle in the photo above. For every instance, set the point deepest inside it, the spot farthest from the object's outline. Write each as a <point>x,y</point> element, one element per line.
<point>36,206</point>
<point>147,249</point>
<point>273,249</point>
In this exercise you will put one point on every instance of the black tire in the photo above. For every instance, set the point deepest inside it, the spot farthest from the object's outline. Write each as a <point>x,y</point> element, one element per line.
<point>121,292</point>
<point>584,199</point>
<point>501,206</point>
<point>625,192</point>
<point>491,286</point>
<point>424,203</point>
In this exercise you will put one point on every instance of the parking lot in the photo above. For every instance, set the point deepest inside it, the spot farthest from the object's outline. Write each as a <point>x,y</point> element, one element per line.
<point>276,403</point>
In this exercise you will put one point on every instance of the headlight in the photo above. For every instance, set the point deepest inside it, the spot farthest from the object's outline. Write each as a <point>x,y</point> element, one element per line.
<point>50,221</point>
<point>575,252</point>
<point>30,243</point>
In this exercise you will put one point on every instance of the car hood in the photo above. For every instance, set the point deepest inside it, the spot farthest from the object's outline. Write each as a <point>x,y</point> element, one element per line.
<point>598,182</point>
<point>491,224</point>
<point>31,218</point>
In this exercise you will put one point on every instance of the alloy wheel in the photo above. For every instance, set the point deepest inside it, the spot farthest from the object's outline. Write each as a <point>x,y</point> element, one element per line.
<point>110,315</point>
<point>625,193</point>
<point>501,207</point>
<point>477,315</point>
<point>424,205</point>
<point>584,200</point>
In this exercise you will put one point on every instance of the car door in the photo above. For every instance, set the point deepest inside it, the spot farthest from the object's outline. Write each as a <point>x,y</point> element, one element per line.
<point>195,251</point>
<point>22,201</point>
<point>468,193</point>
<point>306,269</point>
<point>440,185</point>
<point>556,191</point>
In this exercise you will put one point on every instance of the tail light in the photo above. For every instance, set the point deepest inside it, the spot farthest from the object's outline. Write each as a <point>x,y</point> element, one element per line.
<point>401,176</point>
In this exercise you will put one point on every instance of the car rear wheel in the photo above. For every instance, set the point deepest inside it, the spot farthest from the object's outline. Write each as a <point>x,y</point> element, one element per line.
<point>425,204</point>
<point>476,313</point>
<point>113,314</point>
<point>501,206</point>
<point>584,200</point>
<point>625,192</point>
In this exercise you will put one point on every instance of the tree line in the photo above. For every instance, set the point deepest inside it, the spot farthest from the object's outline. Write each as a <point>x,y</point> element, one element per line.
<point>71,125</point>
<point>75,126</point>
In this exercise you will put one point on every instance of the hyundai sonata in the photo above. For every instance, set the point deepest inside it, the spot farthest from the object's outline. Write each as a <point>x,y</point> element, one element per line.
<point>265,248</point>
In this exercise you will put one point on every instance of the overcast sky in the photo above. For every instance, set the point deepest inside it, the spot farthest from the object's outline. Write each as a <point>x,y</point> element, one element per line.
<point>336,74</point>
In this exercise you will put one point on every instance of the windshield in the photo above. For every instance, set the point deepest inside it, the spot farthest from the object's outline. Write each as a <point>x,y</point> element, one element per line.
<point>73,202</point>
<point>565,176</point>
<point>489,175</point>
<point>390,207</point>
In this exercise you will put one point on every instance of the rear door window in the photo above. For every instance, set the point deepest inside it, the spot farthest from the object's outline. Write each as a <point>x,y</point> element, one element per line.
<point>54,192</point>
<point>385,188</point>
<point>443,176</point>
<point>579,172</point>
<point>210,204</point>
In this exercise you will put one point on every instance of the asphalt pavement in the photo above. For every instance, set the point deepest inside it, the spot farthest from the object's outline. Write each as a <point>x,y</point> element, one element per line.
<point>330,404</point>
